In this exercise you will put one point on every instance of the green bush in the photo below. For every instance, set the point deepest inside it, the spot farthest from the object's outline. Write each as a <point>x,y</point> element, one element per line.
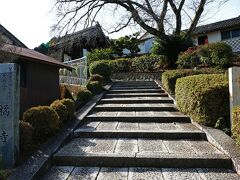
<point>236,124</point>
<point>61,110</point>
<point>95,87</point>
<point>188,59</point>
<point>121,65</point>
<point>44,120</point>
<point>220,54</point>
<point>149,63</point>
<point>69,103</point>
<point>205,98</point>
<point>170,77</point>
<point>25,135</point>
<point>84,95</point>
<point>100,54</point>
<point>101,68</point>
<point>214,55</point>
<point>96,77</point>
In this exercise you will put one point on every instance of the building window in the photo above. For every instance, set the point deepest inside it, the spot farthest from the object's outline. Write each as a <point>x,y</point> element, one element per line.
<point>230,34</point>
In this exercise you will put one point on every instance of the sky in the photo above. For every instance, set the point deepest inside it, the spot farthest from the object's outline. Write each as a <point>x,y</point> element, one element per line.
<point>31,20</point>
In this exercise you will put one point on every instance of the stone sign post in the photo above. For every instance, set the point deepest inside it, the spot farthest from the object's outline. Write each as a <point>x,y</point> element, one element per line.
<point>9,114</point>
<point>234,88</point>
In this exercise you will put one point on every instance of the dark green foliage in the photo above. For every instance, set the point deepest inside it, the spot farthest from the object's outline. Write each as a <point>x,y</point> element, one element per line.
<point>95,87</point>
<point>129,42</point>
<point>44,120</point>
<point>100,54</point>
<point>171,46</point>
<point>25,135</point>
<point>170,77</point>
<point>96,77</point>
<point>236,124</point>
<point>102,68</point>
<point>69,103</point>
<point>61,110</point>
<point>205,98</point>
<point>84,95</point>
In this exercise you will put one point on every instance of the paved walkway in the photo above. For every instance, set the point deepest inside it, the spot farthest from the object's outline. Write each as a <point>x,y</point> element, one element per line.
<point>136,132</point>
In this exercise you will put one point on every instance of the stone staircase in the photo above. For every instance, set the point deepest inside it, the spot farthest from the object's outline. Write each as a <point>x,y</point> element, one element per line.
<point>136,132</point>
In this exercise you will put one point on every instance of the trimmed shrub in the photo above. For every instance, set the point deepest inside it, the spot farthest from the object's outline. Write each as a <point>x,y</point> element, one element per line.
<point>69,103</point>
<point>84,95</point>
<point>25,135</point>
<point>204,97</point>
<point>61,110</point>
<point>217,54</point>
<point>100,54</point>
<point>96,77</point>
<point>170,77</point>
<point>188,59</point>
<point>95,87</point>
<point>236,124</point>
<point>149,63</point>
<point>121,65</point>
<point>44,120</point>
<point>101,68</point>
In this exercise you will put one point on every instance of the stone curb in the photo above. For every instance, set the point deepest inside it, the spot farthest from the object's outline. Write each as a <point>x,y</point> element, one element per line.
<point>220,140</point>
<point>41,160</point>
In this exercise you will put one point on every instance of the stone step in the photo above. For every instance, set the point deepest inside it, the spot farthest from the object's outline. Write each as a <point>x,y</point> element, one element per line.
<point>173,134</point>
<point>142,126</point>
<point>138,173</point>
<point>141,153</point>
<point>135,95</point>
<point>135,107</point>
<point>133,87</point>
<point>159,119</point>
<point>158,90</point>
<point>136,100</point>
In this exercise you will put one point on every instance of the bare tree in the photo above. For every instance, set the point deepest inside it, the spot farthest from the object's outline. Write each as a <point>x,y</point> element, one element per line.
<point>155,16</point>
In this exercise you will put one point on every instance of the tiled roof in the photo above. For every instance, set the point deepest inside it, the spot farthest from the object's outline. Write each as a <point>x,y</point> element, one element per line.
<point>31,55</point>
<point>221,25</point>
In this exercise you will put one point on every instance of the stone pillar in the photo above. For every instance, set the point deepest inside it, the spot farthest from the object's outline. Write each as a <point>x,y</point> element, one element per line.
<point>9,114</point>
<point>234,88</point>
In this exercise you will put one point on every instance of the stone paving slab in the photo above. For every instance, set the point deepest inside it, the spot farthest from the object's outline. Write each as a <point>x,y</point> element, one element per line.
<point>124,95</point>
<point>150,114</point>
<point>159,90</point>
<point>137,173</point>
<point>134,87</point>
<point>150,126</point>
<point>80,146</point>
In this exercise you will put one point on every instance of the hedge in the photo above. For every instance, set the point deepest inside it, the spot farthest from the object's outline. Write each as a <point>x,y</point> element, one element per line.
<point>95,87</point>
<point>84,95</point>
<point>236,124</point>
<point>102,68</point>
<point>205,98</point>
<point>146,63</point>
<point>61,110</point>
<point>170,77</point>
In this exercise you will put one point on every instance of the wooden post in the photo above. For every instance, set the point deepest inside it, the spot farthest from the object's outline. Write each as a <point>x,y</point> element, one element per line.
<point>234,89</point>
